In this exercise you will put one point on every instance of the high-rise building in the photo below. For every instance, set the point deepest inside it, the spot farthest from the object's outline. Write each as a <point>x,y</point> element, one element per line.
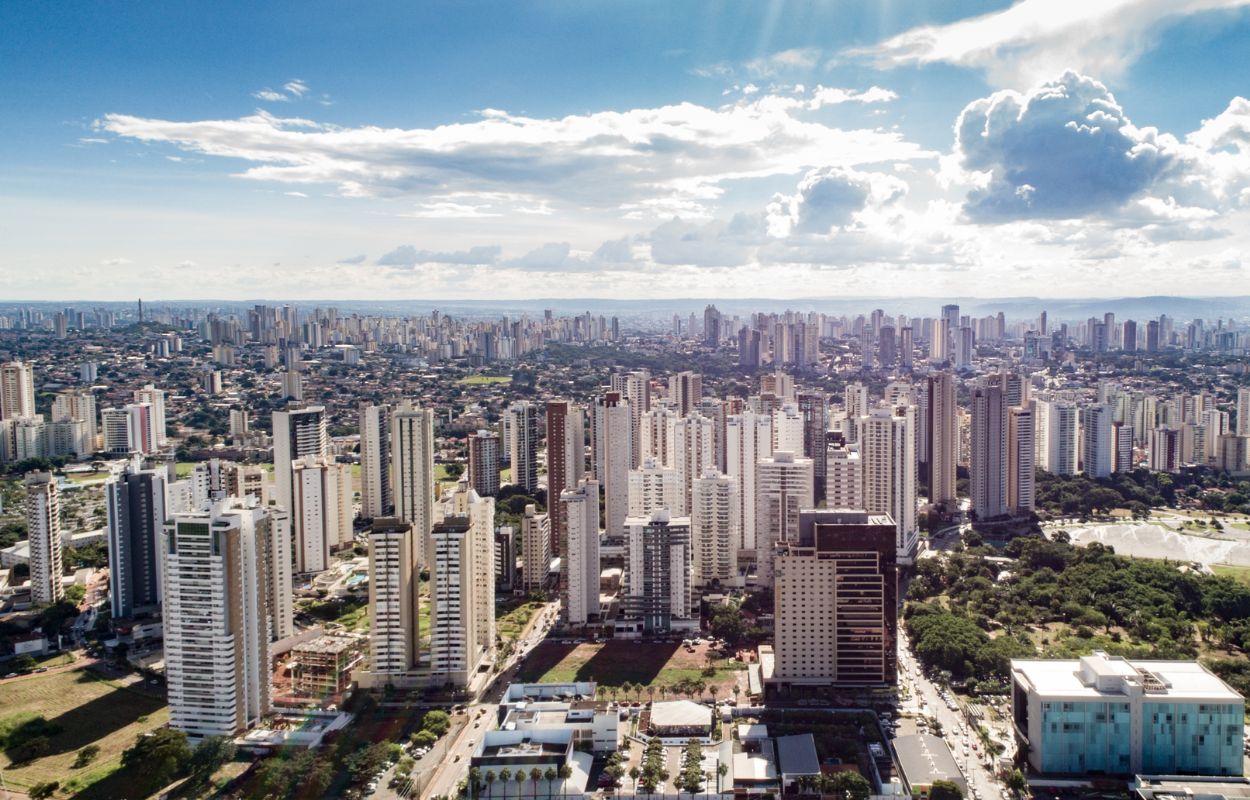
<point>835,600</point>
<point>535,549</point>
<point>658,594</point>
<point>748,438</point>
<point>136,502</point>
<point>1152,336</point>
<point>76,404</point>
<point>788,428</point>
<point>1057,443</point>
<point>412,470</point>
<point>321,514</point>
<point>1243,411</point>
<point>814,407</point>
<point>128,430</point>
<point>1129,336</point>
<point>635,388</point>
<point>566,459</point>
<point>297,433</point>
<point>941,438</point>
<point>715,528</point>
<point>579,561</point>
<point>484,455</point>
<point>855,403</point>
<point>652,487</point>
<point>376,499</point>
<point>1121,447</point>
<point>907,347</point>
<point>964,347</point>
<point>691,452</point>
<point>1098,450</point>
<point>783,488</point>
<point>394,578</point>
<point>1021,460</point>
<point>988,467</point>
<point>523,416</point>
<point>221,579</point>
<point>887,450</point>
<point>613,448</point>
<point>1165,450</point>
<point>685,390</point>
<point>711,326</point>
<point>462,587</point>
<point>43,530</point>
<point>17,390</point>
<point>155,398</point>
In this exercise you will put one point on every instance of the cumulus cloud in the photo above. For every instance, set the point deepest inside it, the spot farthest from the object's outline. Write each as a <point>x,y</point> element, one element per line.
<point>1065,149</point>
<point>718,243</point>
<point>830,197</point>
<point>357,259</point>
<point>674,157</point>
<point>1035,39</point>
<point>408,256</point>
<point>770,66</point>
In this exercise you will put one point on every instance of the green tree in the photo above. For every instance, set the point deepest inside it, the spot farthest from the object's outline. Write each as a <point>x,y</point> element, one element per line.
<point>43,791</point>
<point>158,757</point>
<point>848,785</point>
<point>85,756</point>
<point>210,755</point>
<point>1017,782</point>
<point>945,790</point>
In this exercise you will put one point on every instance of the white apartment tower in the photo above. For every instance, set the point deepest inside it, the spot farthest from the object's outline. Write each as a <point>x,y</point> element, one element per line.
<point>887,450</point>
<point>652,487</point>
<point>462,587</point>
<point>844,477</point>
<point>783,489</point>
<point>322,511</point>
<point>715,528</point>
<point>535,548</point>
<point>376,499</point>
<point>579,567</point>
<point>297,433</point>
<point>788,429</point>
<point>221,580</point>
<point>691,451</point>
<point>1098,454</point>
<point>748,438</point>
<point>612,457</point>
<point>75,404</point>
<point>942,438</point>
<point>394,577</point>
<point>43,529</point>
<point>1021,460</point>
<point>412,470</point>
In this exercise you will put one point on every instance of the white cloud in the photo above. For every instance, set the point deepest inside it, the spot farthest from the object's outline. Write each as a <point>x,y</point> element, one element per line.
<point>357,259</point>
<point>770,66</point>
<point>1036,39</point>
<point>678,156</point>
<point>823,96</point>
<point>408,256</point>
<point>296,87</point>
<point>270,96</point>
<point>293,89</point>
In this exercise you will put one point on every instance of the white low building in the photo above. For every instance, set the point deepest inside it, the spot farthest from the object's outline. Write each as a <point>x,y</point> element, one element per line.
<point>561,706</point>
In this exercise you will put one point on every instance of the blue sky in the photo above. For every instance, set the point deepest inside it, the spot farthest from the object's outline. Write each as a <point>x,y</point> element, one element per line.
<point>333,150</point>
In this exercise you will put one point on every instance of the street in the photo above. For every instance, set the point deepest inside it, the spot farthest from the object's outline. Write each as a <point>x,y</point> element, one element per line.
<point>925,700</point>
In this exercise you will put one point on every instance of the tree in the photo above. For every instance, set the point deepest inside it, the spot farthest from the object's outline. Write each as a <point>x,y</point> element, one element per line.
<point>210,755</point>
<point>43,791</point>
<point>550,775</point>
<point>536,775</point>
<point>85,756</point>
<point>424,738</point>
<point>635,774</point>
<point>158,756</point>
<point>1016,782</point>
<point>24,663</point>
<point>490,781</point>
<point>520,781</point>
<point>849,785</point>
<point>945,790</point>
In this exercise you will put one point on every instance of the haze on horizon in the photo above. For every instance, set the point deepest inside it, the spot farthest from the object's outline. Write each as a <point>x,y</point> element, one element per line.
<point>625,150</point>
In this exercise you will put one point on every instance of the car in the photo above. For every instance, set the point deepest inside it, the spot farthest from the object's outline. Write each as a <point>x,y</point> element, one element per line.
<point>11,675</point>
<point>42,669</point>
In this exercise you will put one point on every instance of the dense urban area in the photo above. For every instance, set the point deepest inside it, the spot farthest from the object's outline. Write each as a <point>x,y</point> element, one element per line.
<point>272,551</point>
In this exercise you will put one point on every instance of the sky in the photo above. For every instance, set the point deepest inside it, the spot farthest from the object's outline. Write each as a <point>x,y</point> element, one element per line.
<point>509,150</point>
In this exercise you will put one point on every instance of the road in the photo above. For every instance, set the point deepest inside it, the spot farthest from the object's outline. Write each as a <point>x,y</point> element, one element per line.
<point>956,731</point>
<point>455,764</point>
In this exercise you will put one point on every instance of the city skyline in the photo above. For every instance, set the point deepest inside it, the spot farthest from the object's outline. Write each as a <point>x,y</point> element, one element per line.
<point>974,149</point>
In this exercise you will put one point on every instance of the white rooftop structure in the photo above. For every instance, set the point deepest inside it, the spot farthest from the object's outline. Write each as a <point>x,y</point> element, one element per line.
<point>1100,675</point>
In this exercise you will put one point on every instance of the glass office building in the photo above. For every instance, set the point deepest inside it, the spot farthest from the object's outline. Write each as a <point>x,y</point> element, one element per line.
<point>1107,715</point>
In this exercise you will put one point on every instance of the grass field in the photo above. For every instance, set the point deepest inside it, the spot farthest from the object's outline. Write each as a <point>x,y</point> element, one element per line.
<point>617,662</point>
<point>87,710</point>
<point>509,624</point>
<point>479,380</point>
<point>1241,574</point>
<point>86,477</point>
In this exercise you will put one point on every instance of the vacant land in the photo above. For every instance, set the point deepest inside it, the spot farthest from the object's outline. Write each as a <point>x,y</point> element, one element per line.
<point>477,380</point>
<point>511,618</point>
<point>67,711</point>
<point>616,663</point>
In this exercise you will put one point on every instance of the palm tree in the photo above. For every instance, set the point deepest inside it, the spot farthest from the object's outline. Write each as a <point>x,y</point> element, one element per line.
<point>635,773</point>
<point>475,781</point>
<point>505,775</point>
<point>536,775</point>
<point>550,775</point>
<point>490,781</point>
<point>713,689</point>
<point>520,782</point>
<point>651,693</point>
<point>565,773</point>
<point>737,691</point>
<point>722,769</point>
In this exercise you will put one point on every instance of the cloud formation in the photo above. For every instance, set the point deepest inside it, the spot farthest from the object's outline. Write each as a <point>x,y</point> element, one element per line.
<point>408,256</point>
<point>1036,39</point>
<point>671,159</point>
<point>291,90</point>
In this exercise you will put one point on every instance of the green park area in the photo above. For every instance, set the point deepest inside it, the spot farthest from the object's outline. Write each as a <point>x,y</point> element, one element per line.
<point>71,727</point>
<point>1239,574</point>
<point>481,380</point>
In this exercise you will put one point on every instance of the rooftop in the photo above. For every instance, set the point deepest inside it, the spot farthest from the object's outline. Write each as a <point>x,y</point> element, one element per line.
<point>681,714</point>
<point>796,755</point>
<point>325,644</point>
<point>1101,675</point>
<point>924,759</point>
